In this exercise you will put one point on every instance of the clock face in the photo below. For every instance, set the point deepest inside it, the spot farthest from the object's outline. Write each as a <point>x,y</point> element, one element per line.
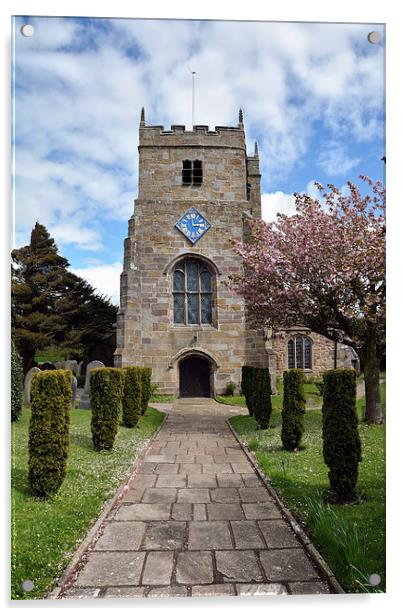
<point>193,225</point>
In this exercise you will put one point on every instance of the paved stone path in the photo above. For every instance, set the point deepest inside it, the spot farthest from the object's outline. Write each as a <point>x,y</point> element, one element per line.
<point>197,521</point>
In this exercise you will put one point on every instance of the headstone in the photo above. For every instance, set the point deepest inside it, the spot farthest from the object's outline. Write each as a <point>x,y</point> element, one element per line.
<point>74,391</point>
<point>59,365</point>
<point>85,402</point>
<point>27,385</point>
<point>76,368</point>
<point>72,365</point>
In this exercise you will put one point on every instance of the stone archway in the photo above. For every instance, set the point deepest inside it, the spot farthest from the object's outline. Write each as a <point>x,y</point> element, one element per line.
<point>195,377</point>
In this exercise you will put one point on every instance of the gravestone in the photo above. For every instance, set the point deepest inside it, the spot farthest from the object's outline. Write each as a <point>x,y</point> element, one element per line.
<point>59,365</point>
<point>72,365</point>
<point>73,391</point>
<point>85,402</point>
<point>27,385</point>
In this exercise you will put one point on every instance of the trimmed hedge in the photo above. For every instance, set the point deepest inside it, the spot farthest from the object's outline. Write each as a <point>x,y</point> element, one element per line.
<point>261,398</point>
<point>106,392</point>
<point>294,408</point>
<point>341,441</point>
<point>131,396</point>
<point>146,374</point>
<point>17,383</point>
<point>247,386</point>
<point>49,431</point>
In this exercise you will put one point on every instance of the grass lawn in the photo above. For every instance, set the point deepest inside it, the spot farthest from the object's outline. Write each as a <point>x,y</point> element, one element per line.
<point>313,398</point>
<point>46,533</point>
<point>351,538</point>
<point>161,398</point>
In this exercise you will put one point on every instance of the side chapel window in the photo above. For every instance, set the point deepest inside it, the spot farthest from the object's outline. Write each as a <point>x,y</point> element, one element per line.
<point>192,293</point>
<point>299,353</point>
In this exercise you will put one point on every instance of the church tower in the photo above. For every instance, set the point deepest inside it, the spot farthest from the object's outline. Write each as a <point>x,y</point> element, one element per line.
<point>177,314</point>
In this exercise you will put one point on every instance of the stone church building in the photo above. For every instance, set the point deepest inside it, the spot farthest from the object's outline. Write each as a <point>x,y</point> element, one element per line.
<point>177,315</point>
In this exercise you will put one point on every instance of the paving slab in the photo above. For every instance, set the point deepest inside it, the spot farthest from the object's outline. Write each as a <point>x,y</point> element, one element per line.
<point>166,535</point>
<point>112,569</point>
<point>194,568</point>
<point>168,591</point>
<point>125,592</point>
<point>260,589</point>
<point>159,495</point>
<point>193,495</point>
<point>144,511</point>
<point>225,495</point>
<point>201,481</point>
<point>238,566</point>
<point>171,481</point>
<point>288,565</point>
<point>209,535</point>
<point>196,521</point>
<point>247,535</point>
<point>218,511</point>
<point>213,590</point>
<point>158,568</point>
<point>278,534</point>
<point>121,536</point>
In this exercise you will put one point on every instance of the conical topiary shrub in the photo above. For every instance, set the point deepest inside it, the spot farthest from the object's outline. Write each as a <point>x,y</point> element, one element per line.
<point>341,441</point>
<point>262,405</point>
<point>106,392</point>
<point>131,396</point>
<point>294,408</point>
<point>49,431</point>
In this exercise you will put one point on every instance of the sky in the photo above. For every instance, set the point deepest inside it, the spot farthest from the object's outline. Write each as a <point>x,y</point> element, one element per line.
<point>312,95</point>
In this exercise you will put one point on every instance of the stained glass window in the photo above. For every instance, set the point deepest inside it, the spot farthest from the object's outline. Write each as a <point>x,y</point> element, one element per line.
<point>179,307</point>
<point>299,353</point>
<point>291,354</point>
<point>192,293</point>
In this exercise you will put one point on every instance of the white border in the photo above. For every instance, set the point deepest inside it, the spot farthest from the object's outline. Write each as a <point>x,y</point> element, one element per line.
<point>368,11</point>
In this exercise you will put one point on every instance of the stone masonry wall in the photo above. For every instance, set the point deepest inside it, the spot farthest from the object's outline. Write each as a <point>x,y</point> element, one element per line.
<point>146,332</point>
<point>322,353</point>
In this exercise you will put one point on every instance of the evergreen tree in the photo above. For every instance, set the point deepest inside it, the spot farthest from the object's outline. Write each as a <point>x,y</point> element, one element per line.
<point>51,305</point>
<point>89,317</point>
<point>38,274</point>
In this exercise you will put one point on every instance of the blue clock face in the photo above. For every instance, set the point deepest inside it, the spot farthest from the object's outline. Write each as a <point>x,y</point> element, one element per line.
<point>193,225</point>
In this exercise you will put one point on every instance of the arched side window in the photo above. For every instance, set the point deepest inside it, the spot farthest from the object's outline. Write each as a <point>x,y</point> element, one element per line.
<point>192,293</point>
<point>299,353</point>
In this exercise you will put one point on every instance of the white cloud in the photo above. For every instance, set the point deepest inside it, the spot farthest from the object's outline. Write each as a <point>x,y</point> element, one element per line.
<point>334,159</point>
<point>276,203</point>
<point>81,87</point>
<point>104,278</point>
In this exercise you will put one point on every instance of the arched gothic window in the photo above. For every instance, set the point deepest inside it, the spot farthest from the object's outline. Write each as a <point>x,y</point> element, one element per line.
<point>192,292</point>
<point>299,353</point>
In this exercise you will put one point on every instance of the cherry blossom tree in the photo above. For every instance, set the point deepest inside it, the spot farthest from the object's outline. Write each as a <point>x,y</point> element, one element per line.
<point>323,268</point>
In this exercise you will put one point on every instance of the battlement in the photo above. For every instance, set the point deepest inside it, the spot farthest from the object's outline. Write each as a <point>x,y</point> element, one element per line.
<point>200,135</point>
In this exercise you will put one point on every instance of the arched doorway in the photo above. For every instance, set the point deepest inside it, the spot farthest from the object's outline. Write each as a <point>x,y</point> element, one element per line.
<point>195,377</point>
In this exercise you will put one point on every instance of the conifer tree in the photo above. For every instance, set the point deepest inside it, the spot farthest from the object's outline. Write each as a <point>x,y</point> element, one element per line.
<point>38,275</point>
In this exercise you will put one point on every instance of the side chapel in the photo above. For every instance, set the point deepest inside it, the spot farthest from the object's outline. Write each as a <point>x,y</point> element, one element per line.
<point>195,190</point>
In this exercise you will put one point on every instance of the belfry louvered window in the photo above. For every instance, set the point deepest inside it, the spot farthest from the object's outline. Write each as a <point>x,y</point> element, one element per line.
<point>192,293</point>
<point>299,353</point>
<point>192,172</point>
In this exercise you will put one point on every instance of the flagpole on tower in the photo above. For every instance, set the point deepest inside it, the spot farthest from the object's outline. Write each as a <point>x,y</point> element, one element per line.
<point>192,96</point>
